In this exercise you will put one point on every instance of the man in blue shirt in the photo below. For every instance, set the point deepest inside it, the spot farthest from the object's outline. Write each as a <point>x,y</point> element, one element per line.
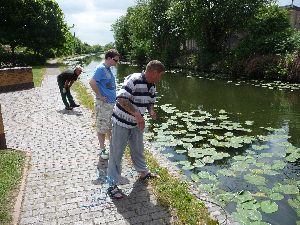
<point>104,85</point>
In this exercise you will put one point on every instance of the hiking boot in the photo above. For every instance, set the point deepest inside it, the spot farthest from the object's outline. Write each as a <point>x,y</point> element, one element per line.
<point>74,105</point>
<point>69,108</point>
<point>104,154</point>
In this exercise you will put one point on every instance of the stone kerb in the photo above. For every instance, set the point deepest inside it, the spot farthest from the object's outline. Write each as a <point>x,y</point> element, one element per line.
<point>2,134</point>
<point>15,79</point>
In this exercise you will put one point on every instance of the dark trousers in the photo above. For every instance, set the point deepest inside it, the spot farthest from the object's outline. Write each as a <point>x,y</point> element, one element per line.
<point>66,95</point>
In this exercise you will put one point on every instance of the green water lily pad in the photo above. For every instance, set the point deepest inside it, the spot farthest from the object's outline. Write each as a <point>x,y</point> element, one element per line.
<point>249,122</point>
<point>293,157</point>
<point>259,223</point>
<point>271,172</point>
<point>195,177</point>
<point>240,217</point>
<point>207,175</point>
<point>276,196</point>
<point>226,197</point>
<point>198,163</point>
<point>288,189</point>
<point>278,165</point>
<point>295,204</point>
<point>252,214</point>
<point>207,187</point>
<point>227,172</point>
<point>268,206</point>
<point>260,147</point>
<point>180,151</point>
<point>244,196</point>
<point>255,179</point>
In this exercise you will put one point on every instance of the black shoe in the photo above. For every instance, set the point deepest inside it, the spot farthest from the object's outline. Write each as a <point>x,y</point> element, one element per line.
<point>69,108</point>
<point>74,105</point>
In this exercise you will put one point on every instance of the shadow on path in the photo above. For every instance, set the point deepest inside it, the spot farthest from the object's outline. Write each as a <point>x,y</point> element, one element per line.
<point>70,112</point>
<point>138,208</point>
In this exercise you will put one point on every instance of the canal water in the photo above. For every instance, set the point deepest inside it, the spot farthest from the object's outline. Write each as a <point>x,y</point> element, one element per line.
<point>239,140</point>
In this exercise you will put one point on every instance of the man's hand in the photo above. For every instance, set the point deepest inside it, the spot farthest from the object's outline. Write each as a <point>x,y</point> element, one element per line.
<point>153,115</point>
<point>140,121</point>
<point>103,98</point>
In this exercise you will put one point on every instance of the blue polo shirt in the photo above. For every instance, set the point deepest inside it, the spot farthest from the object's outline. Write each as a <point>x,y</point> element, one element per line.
<point>106,82</point>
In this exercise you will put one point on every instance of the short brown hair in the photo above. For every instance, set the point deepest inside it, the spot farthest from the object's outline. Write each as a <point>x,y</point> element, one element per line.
<point>111,53</point>
<point>156,66</point>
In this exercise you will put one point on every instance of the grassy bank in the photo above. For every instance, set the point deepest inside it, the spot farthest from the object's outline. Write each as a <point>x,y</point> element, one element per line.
<point>38,73</point>
<point>11,167</point>
<point>170,192</point>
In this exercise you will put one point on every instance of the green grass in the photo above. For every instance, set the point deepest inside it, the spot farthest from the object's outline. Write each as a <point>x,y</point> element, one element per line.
<point>38,73</point>
<point>174,194</point>
<point>11,166</point>
<point>170,192</point>
<point>83,96</point>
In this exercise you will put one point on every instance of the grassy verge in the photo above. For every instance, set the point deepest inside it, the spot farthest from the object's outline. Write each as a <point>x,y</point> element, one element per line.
<point>11,167</point>
<point>170,192</point>
<point>38,73</point>
<point>174,194</point>
<point>83,96</point>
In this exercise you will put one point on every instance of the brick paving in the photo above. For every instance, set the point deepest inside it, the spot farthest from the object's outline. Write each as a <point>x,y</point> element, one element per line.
<point>65,182</point>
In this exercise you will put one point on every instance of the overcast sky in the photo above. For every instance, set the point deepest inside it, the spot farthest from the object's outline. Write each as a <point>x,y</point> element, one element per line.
<point>93,18</point>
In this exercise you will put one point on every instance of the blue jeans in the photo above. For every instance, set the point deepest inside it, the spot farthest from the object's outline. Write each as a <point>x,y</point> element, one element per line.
<point>119,139</point>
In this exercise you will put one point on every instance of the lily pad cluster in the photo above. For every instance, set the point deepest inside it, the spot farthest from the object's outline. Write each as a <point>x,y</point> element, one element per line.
<point>250,174</point>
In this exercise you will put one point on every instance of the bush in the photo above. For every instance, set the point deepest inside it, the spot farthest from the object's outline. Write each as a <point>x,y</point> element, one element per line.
<point>265,67</point>
<point>20,59</point>
<point>293,67</point>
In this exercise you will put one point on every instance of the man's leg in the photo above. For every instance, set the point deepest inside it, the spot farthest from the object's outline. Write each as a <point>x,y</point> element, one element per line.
<point>63,95</point>
<point>118,143</point>
<point>70,97</point>
<point>136,145</point>
<point>101,139</point>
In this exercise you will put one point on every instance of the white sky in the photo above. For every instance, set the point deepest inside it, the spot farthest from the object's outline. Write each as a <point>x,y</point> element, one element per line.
<point>93,18</point>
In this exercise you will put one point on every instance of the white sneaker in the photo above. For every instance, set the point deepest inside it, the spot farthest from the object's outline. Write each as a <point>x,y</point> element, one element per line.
<point>104,154</point>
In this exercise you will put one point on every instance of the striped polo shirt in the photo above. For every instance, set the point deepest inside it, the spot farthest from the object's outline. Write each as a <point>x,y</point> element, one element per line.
<point>140,93</point>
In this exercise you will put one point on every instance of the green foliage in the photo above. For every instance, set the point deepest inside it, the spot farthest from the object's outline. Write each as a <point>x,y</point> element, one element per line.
<point>21,59</point>
<point>38,73</point>
<point>265,66</point>
<point>84,97</point>
<point>36,24</point>
<point>292,43</point>
<point>122,36</point>
<point>158,29</point>
<point>11,165</point>
<point>268,33</point>
<point>146,32</point>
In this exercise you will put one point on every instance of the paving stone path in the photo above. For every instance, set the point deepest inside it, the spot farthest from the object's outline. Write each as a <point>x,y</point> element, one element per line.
<point>65,182</point>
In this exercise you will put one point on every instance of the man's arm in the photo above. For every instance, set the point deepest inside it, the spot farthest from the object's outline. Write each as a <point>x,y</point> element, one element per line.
<point>151,111</point>
<point>71,83</point>
<point>96,90</point>
<point>126,104</point>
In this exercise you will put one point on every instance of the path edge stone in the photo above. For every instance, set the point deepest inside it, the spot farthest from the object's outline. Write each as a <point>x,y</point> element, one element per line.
<point>21,189</point>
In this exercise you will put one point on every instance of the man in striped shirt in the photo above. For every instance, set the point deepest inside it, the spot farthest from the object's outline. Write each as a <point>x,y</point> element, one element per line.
<point>137,94</point>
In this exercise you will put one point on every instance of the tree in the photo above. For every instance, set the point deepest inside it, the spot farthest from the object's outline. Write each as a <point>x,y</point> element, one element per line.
<point>267,32</point>
<point>212,22</point>
<point>122,36</point>
<point>11,23</point>
<point>36,24</point>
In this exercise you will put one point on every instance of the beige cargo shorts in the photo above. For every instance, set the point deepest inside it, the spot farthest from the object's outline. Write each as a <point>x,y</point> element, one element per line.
<point>103,116</point>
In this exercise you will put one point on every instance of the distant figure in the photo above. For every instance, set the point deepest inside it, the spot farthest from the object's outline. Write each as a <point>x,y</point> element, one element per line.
<point>65,81</point>
<point>104,85</point>
<point>137,94</point>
